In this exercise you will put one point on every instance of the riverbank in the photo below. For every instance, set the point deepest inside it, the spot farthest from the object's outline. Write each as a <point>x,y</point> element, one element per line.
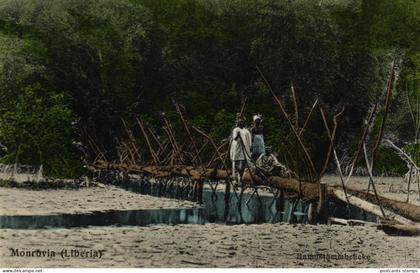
<point>43,202</point>
<point>394,188</point>
<point>212,245</point>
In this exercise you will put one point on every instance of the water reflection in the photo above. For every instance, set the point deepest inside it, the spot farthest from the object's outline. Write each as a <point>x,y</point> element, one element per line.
<point>238,209</point>
<point>260,209</point>
<point>106,218</point>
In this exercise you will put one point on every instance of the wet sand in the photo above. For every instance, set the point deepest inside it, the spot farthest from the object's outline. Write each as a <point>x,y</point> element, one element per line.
<point>212,245</point>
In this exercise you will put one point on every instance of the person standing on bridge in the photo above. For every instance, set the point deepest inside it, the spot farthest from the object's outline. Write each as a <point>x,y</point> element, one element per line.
<point>240,149</point>
<point>258,145</point>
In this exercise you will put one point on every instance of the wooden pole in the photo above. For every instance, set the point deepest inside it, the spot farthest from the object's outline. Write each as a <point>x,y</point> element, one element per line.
<point>214,146</point>
<point>292,127</point>
<point>362,140</point>
<point>375,149</point>
<point>331,136</point>
<point>369,168</point>
<point>152,152</point>
<point>322,204</point>
<point>199,190</point>
<point>184,122</point>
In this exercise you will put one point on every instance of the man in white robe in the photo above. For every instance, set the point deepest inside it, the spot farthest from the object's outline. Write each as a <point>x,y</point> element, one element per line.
<point>240,150</point>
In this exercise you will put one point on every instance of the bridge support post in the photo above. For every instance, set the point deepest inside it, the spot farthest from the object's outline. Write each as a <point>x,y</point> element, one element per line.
<point>227,198</point>
<point>322,209</point>
<point>199,190</point>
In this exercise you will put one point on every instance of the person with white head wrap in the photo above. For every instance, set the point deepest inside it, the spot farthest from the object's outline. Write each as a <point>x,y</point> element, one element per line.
<point>258,145</point>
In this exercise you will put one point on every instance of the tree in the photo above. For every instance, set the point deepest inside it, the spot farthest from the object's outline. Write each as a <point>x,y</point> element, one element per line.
<point>35,128</point>
<point>103,54</point>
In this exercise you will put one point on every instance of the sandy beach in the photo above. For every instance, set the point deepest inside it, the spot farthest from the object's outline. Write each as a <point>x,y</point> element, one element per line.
<point>390,187</point>
<point>43,202</point>
<point>212,245</point>
<point>209,245</point>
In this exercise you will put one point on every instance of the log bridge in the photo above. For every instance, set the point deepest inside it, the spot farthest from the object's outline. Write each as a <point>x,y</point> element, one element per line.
<point>194,156</point>
<point>403,213</point>
<point>309,190</point>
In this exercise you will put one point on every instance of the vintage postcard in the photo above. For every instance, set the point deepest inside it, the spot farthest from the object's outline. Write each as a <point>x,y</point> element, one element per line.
<point>192,134</point>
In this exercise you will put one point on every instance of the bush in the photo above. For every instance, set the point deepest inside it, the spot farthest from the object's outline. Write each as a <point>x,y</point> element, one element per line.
<point>389,163</point>
<point>36,129</point>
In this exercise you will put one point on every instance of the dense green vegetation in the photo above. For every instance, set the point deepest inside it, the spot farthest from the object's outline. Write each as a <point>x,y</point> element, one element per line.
<point>70,70</point>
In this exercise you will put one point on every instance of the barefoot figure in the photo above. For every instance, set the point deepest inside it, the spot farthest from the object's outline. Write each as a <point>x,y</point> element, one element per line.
<point>240,149</point>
